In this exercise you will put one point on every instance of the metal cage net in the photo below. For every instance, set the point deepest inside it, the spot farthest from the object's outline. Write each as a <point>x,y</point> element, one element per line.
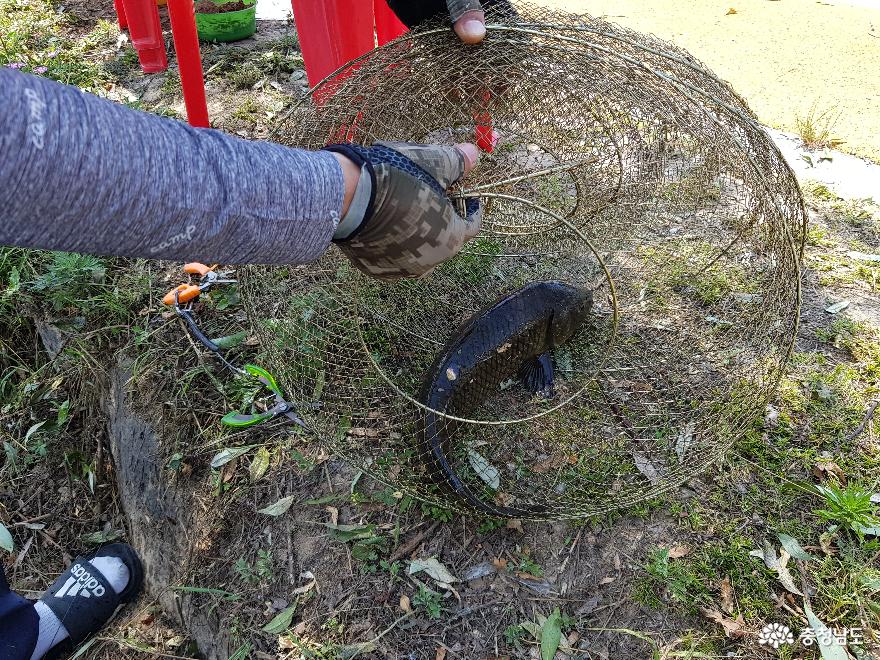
<point>622,166</point>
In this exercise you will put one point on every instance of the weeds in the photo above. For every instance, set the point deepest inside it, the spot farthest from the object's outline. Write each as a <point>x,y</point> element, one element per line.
<point>260,572</point>
<point>70,280</point>
<point>849,508</point>
<point>428,600</point>
<point>815,128</point>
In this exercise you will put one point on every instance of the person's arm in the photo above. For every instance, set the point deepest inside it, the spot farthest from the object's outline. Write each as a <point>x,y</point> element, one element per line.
<point>82,174</point>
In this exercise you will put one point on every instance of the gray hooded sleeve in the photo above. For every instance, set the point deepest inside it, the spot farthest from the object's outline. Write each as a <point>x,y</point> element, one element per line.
<point>82,174</point>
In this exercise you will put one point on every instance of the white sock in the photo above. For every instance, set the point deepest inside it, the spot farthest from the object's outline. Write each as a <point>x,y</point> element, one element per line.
<point>52,631</point>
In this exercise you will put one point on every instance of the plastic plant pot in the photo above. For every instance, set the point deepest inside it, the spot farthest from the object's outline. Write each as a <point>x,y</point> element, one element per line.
<point>229,25</point>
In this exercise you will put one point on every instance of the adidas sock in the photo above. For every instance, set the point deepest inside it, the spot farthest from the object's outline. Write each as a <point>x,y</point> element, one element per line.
<point>52,631</point>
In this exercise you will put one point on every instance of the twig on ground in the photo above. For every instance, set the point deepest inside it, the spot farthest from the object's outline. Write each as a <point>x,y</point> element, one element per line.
<point>865,421</point>
<point>570,551</point>
<point>413,543</point>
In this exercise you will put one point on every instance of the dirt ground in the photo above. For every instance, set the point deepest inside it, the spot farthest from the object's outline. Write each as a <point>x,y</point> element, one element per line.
<point>786,57</point>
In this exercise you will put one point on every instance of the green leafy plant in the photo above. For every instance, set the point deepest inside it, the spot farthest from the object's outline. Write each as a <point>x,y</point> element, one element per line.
<point>70,280</point>
<point>848,507</point>
<point>429,601</point>
<point>257,573</point>
<point>514,635</point>
<point>673,577</point>
<point>526,565</point>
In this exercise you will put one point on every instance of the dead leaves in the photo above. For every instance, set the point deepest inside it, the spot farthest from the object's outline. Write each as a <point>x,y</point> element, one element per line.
<point>732,627</point>
<point>778,564</point>
<point>678,551</point>
<point>825,470</point>
<point>726,590</point>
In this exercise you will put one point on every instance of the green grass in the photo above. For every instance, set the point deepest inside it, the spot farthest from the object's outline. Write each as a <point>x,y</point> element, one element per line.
<point>36,38</point>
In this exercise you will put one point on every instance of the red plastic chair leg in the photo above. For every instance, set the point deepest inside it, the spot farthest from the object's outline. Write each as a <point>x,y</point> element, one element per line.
<point>145,30</point>
<point>331,33</point>
<point>388,26</point>
<point>120,14</point>
<point>189,60</point>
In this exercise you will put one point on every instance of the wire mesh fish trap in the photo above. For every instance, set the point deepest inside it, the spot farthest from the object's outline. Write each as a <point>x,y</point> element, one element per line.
<point>623,167</point>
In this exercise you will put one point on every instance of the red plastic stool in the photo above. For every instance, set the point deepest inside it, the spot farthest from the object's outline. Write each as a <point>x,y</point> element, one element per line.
<point>189,60</point>
<point>142,19</point>
<point>331,33</point>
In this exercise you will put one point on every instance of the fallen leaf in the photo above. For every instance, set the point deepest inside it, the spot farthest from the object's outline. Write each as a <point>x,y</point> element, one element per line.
<point>281,622</point>
<point>278,508</point>
<point>441,653</point>
<point>732,627</point>
<point>685,440</point>
<point>551,634</point>
<point>334,514</point>
<point>485,470</point>
<point>726,595</point>
<point>607,580</point>
<point>730,11</point>
<point>259,464</point>
<point>768,554</point>
<point>647,468</point>
<point>794,548</point>
<point>405,604</point>
<point>826,469</point>
<point>515,523</point>
<point>825,542</point>
<point>829,648</point>
<point>678,551</point>
<point>227,454</point>
<point>499,564</point>
<point>837,307</point>
<point>6,539</point>
<point>433,568</point>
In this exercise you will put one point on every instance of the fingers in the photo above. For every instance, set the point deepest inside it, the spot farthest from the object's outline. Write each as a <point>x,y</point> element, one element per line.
<point>446,164</point>
<point>471,155</point>
<point>471,27</point>
<point>473,220</point>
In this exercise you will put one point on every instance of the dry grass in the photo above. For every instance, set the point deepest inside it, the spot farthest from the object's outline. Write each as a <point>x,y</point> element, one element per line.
<point>816,128</point>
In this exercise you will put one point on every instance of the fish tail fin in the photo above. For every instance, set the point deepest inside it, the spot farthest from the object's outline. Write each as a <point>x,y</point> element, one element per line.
<point>537,375</point>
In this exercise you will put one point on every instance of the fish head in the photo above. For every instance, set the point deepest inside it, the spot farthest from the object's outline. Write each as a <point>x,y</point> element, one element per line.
<point>571,312</point>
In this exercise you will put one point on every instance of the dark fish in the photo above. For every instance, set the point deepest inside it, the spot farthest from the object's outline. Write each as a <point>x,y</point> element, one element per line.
<point>513,335</point>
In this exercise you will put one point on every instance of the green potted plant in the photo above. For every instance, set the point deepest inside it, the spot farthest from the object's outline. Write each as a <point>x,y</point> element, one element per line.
<point>226,20</point>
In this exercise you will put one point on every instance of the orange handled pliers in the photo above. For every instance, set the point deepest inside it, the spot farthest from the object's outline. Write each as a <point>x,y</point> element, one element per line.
<point>208,277</point>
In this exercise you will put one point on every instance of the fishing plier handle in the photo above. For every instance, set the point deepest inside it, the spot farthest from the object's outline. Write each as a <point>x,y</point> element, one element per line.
<point>281,407</point>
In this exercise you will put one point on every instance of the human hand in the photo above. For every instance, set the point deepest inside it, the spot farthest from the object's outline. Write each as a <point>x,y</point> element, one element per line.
<point>398,220</point>
<point>467,16</point>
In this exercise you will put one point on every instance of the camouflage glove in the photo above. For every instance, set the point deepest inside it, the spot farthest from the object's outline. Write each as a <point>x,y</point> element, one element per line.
<point>401,222</point>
